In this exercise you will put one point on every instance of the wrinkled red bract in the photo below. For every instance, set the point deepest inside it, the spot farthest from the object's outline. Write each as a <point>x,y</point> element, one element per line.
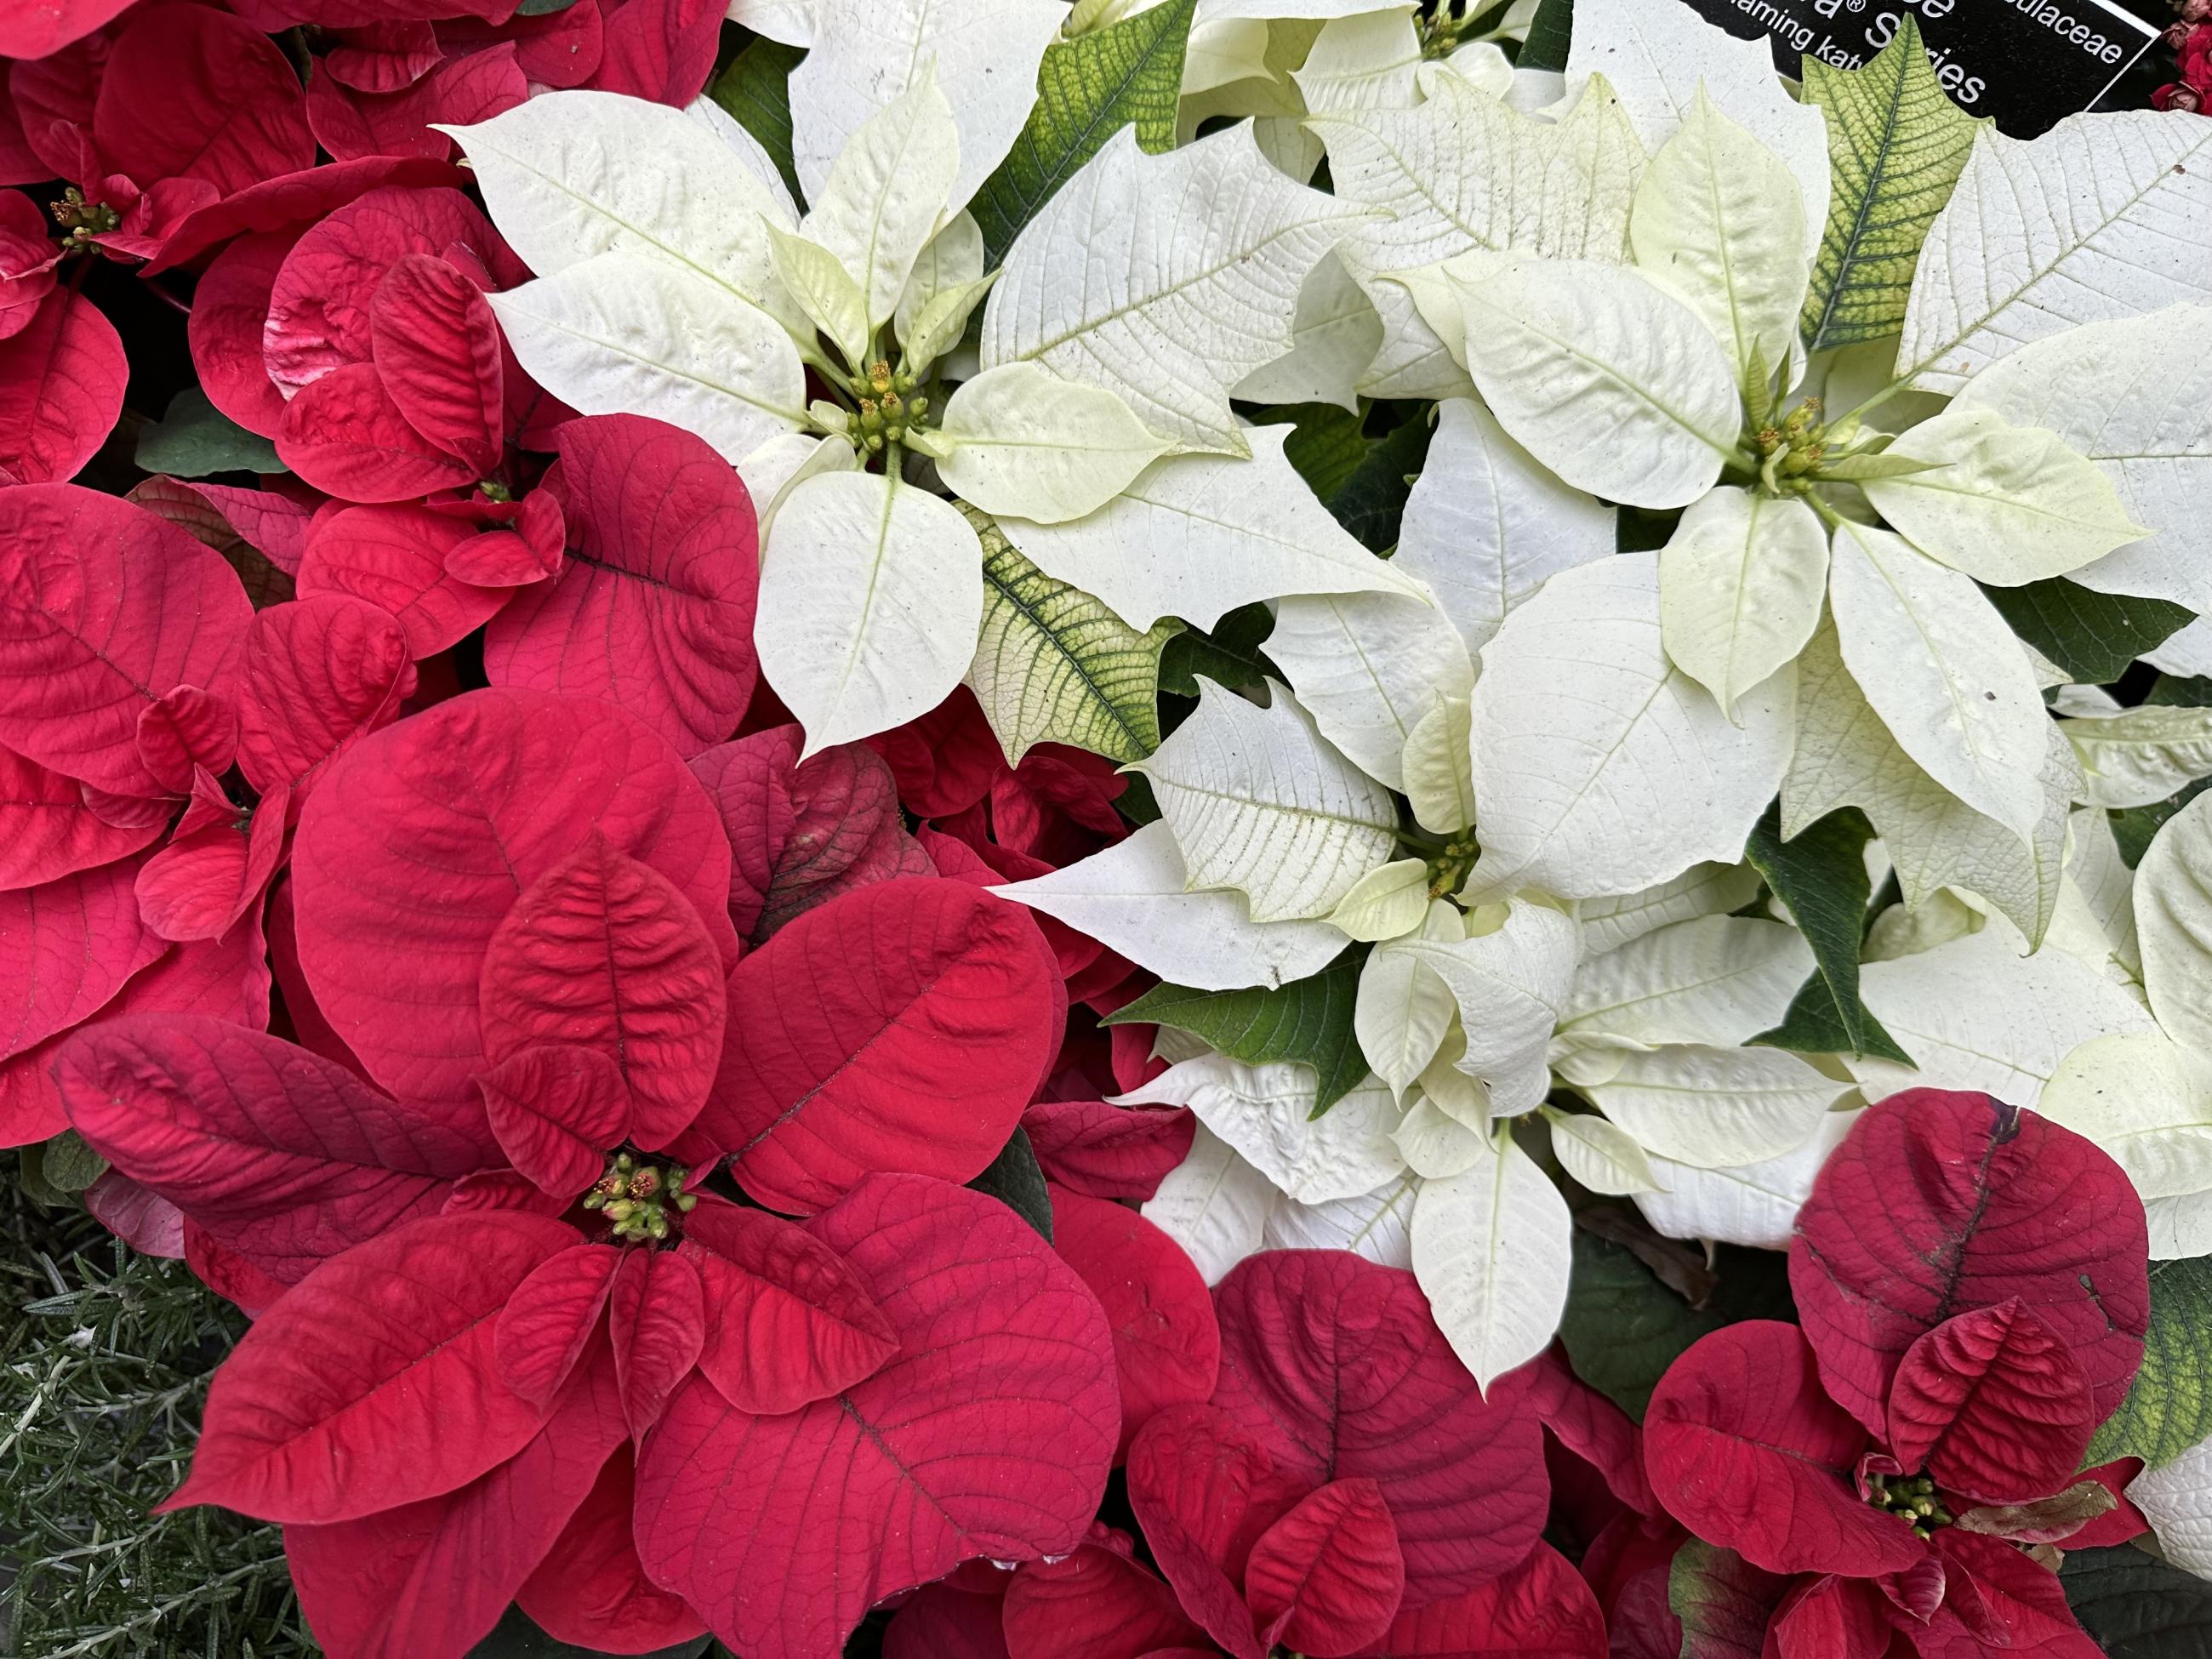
<point>803,832</point>
<point>73,942</point>
<point>552,1318</point>
<point>428,1580</point>
<point>787,1321</point>
<point>655,1313</point>
<point>1745,1449</point>
<point>1109,1151</point>
<point>603,952</point>
<point>1938,1204</point>
<point>902,1026</point>
<point>1204,1489</point>
<point>195,93</point>
<point>557,1109</point>
<point>345,433</point>
<point>437,351</point>
<point>1167,1347</point>
<point>46,830</point>
<point>104,608</point>
<point>988,1436</point>
<point>1993,1405</point>
<point>1334,1366</point>
<point>1327,1579</point>
<point>277,1153</point>
<point>321,673</point>
<point>352,124</point>
<point>655,609</point>
<point>371,1384</point>
<point>419,840</point>
<point>62,378</point>
<point>394,557</point>
<point>1540,1609</point>
<point>205,879</point>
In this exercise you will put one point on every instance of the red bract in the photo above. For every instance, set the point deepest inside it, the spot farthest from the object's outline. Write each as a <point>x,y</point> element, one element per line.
<point>1109,1151</point>
<point>801,832</point>
<point>418,840</point>
<point>353,123</point>
<point>902,1026</point>
<point>655,609</point>
<point>320,675</point>
<point>395,558</point>
<point>988,1435</point>
<point>47,26</point>
<point>105,609</point>
<point>1937,1204</point>
<point>62,376</point>
<point>189,92</point>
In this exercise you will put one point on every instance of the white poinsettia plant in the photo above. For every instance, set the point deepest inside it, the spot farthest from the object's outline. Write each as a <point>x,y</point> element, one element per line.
<point>1717,750</point>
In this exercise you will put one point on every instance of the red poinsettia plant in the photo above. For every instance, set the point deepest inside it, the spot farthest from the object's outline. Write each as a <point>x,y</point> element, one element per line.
<point>1893,1472</point>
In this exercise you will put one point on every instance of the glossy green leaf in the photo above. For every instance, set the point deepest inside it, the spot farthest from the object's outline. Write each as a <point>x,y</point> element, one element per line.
<point>1550,34</point>
<point>1326,444</point>
<point>2168,1409</point>
<point>1896,144</point>
<point>196,439</point>
<point>1623,1328</point>
<point>2135,1605</point>
<point>1088,89</point>
<point>1015,1179</point>
<point>2135,827</point>
<point>756,89</point>
<point>1372,500</point>
<point>1052,665</point>
<point>2093,636</point>
<point>1820,874</point>
<point>69,1165</point>
<point>1308,1020</point>
<point>1230,654</point>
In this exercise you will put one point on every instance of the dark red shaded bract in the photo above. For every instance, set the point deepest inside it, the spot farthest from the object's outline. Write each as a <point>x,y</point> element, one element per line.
<point>1327,1579</point>
<point>1096,1604</point>
<point>591,1592</point>
<point>73,942</point>
<point>902,1026</point>
<point>1938,1204</point>
<point>1109,1151</point>
<point>558,1108</point>
<point>1993,1405</point>
<point>987,1436</point>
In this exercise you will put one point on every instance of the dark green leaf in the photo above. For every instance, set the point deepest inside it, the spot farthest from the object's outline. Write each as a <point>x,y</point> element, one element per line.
<point>31,1176</point>
<point>2169,1407</point>
<point>542,7</point>
<point>2134,827</point>
<point>69,1165</point>
<point>1550,34</point>
<point>1326,444</point>
<point>756,89</point>
<point>2135,1605</point>
<point>1896,143</point>
<point>1014,1179</point>
<point>2180,691</point>
<point>196,439</point>
<point>1821,873</point>
<point>1308,1020</point>
<point>1723,1601</point>
<point>1623,1328</point>
<point>2093,636</point>
<point>1088,89</point>
<point>516,1637</point>
<point>1373,500</point>
<point>1230,655</point>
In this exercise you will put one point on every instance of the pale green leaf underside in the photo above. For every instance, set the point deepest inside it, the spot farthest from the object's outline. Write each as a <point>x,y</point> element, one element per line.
<point>1052,665</point>
<point>1896,144</point>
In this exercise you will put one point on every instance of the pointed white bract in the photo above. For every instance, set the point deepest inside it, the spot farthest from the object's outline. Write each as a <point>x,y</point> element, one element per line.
<point>1266,1112</point>
<point>1491,1248</point>
<point>1509,985</point>
<point>1741,582</point>
<point>1369,668</point>
<point>1214,1205</point>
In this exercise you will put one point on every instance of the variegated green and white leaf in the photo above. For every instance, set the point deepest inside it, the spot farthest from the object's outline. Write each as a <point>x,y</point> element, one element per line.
<point>1193,262</point>
<point>1054,665</point>
<point>1261,802</point>
<point>2142,755</point>
<point>1719,222</point>
<point>2145,1100</point>
<point>1846,757</point>
<point>1741,582</point>
<point>866,54</point>
<point>876,591</point>
<point>1134,898</point>
<point>1197,536</point>
<point>1214,1205</point>
<point>1487,524</point>
<point>1945,674</point>
<point>1492,1250</point>
<point>1612,383</point>
<point>1019,440</point>
<point>1718,1108</point>
<point>632,333</point>
<point>2006,504</point>
<point>1266,1112</point>
<point>1601,768</point>
<point>1369,667</point>
<point>2118,394</point>
<point>2101,218</point>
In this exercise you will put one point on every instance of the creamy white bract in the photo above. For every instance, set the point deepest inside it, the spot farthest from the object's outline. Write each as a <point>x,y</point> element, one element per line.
<point>1528,774</point>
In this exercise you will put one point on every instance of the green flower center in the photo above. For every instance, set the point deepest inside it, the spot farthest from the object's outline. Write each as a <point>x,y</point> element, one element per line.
<point>1911,1499</point>
<point>641,1201</point>
<point>890,411</point>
